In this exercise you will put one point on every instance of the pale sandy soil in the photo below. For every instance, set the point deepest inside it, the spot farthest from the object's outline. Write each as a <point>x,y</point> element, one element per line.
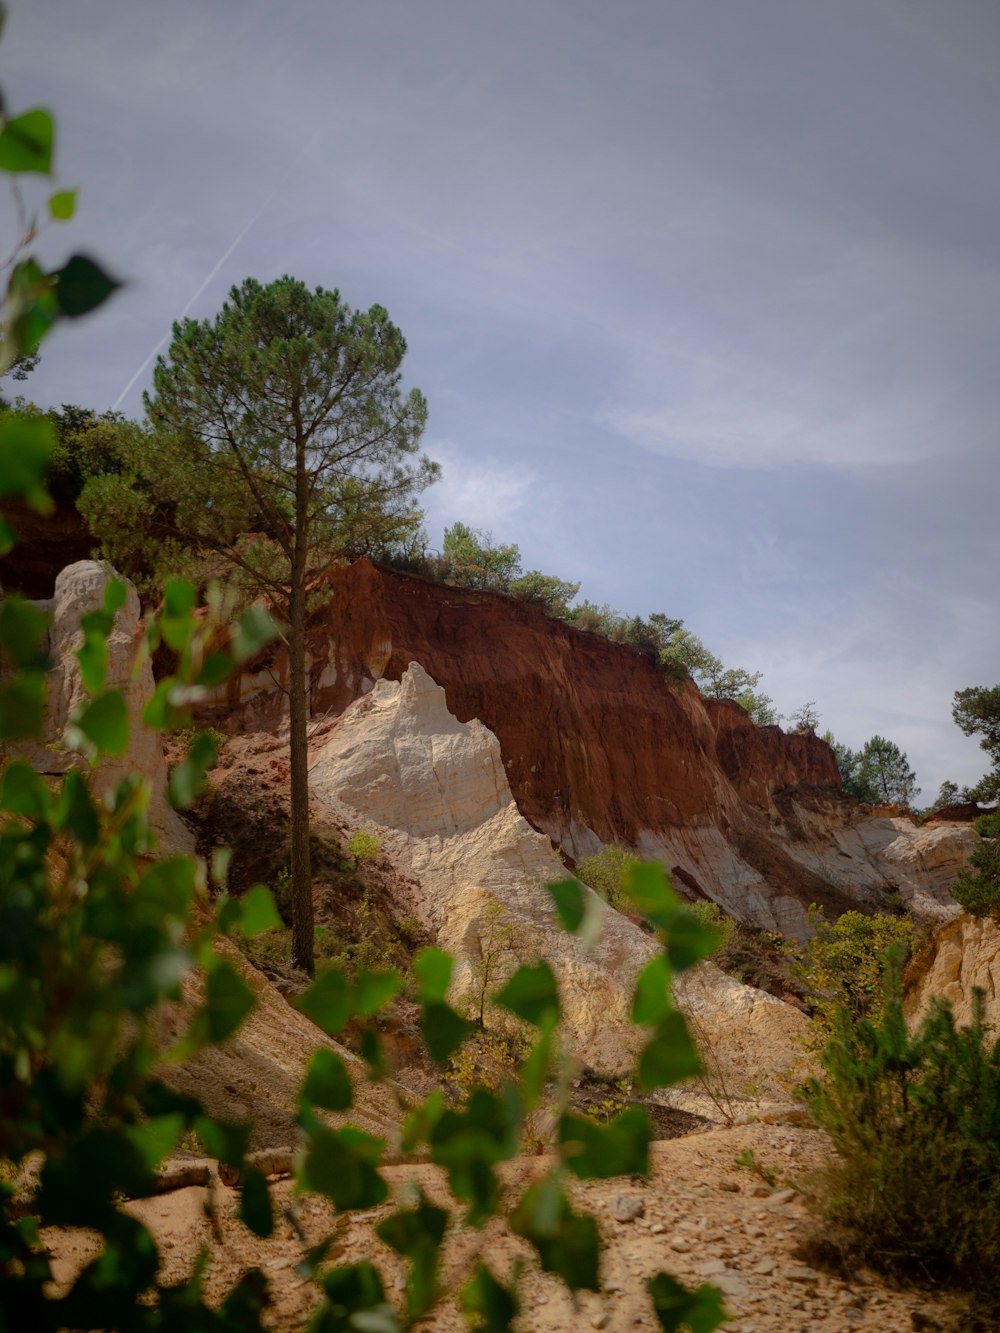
<point>703,1219</point>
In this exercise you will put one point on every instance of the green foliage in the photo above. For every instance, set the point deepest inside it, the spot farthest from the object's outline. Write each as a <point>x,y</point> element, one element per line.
<point>878,774</point>
<point>914,1186</point>
<point>363,846</point>
<point>471,559</point>
<point>977,712</point>
<point>847,963</point>
<point>949,793</point>
<point>977,888</point>
<point>607,873</point>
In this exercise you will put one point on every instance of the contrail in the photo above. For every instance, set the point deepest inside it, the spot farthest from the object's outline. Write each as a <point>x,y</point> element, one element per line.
<point>212,272</point>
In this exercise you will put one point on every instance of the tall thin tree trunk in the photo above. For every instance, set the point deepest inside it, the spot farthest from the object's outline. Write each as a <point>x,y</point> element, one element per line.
<point>302,903</point>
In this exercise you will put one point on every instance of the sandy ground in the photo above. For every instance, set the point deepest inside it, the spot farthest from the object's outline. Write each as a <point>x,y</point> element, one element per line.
<point>699,1216</point>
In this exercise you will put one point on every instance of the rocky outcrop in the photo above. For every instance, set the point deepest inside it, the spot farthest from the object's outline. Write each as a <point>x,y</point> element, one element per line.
<point>435,790</point>
<point>597,746</point>
<point>962,955</point>
<point>79,589</point>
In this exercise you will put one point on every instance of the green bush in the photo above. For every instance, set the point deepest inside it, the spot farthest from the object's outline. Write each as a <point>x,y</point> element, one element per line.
<point>914,1187</point>
<point>846,962</point>
<point>977,889</point>
<point>363,846</point>
<point>607,873</point>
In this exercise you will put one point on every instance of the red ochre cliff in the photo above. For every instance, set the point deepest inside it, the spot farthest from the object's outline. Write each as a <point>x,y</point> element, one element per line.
<point>597,744</point>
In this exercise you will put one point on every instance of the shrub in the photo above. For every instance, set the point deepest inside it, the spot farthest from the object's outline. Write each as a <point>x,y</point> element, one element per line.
<point>914,1188</point>
<point>845,963</point>
<point>607,873</point>
<point>711,916</point>
<point>977,889</point>
<point>363,846</point>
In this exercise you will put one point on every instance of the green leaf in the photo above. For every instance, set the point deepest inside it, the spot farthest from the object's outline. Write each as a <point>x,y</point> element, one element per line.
<point>649,889</point>
<point>652,1000</point>
<point>468,1143</point>
<point>374,990</point>
<point>176,619</point>
<point>352,1292</point>
<point>23,792</point>
<point>82,285</point>
<point>701,1311</point>
<point>444,1030</point>
<point>618,1148</point>
<point>187,781</point>
<point>327,1082</point>
<point>417,1234</point>
<point>254,629</point>
<point>62,205</point>
<point>105,723</point>
<point>329,1001</point>
<point>255,1203</point>
<point>419,1124</point>
<point>75,810</point>
<point>26,446</point>
<point>22,706</point>
<point>228,1000</point>
<point>531,994</point>
<point>26,143</point>
<point>534,1071</point>
<point>8,537</point>
<point>566,1243</point>
<point>258,912</point>
<point>432,968</point>
<point>689,941</point>
<point>216,668</point>
<point>22,633</point>
<point>669,1056</point>
<point>341,1164</point>
<point>569,900</point>
<point>492,1306</point>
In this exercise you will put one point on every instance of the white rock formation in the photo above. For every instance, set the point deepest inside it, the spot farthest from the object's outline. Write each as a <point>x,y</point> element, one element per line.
<point>435,790</point>
<point>79,589</point>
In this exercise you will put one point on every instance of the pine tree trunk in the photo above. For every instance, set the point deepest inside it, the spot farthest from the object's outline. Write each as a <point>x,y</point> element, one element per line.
<point>302,903</point>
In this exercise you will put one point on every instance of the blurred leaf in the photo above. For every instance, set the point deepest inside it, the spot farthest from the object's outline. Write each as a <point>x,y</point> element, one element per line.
<point>216,668</point>
<point>649,889</point>
<point>258,912</point>
<point>534,1071</point>
<point>26,445</point>
<point>176,618</point>
<point>254,629</point>
<point>566,1243</point>
<point>23,792</point>
<point>26,143</point>
<point>491,1305</point>
<point>105,723</point>
<point>62,205</point>
<point>432,968</point>
<point>618,1148</point>
<point>669,1056</point>
<point>329,1001</point>
<point>228,1000</point>
<point>689,941</point>
<point>419,1124</point>
<point>327,1082</point>
<point>652,991</point>
<point>531,994</point>
<point>22,633</point>
<point>417,1234</point>
<point>352,1292</point>
<point>255,1203</point>
<point>187,781</point>
<point>341,1165</point>
<point>569,900</point>
<point>700,1311</point>
<point>373,990</point>
<point>469,1142</point>
<point>82,285</point>
<point>444,1030</point>
<point>22,706</point>
<point>75,810</point>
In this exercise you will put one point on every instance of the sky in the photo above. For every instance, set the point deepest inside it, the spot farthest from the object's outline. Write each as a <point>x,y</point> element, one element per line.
<point>704,295</point>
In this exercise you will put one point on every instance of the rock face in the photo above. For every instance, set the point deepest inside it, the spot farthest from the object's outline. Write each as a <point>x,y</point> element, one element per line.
<point>79,589</point>
<point>963,954</point>
<point>435,790</point>
<point>598,747</point>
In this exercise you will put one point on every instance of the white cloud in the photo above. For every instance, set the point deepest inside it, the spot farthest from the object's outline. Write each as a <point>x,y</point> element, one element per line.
<point>483,495</point>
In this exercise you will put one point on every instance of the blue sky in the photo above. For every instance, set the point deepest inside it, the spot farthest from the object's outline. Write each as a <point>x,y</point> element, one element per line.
<point>704,296</point>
